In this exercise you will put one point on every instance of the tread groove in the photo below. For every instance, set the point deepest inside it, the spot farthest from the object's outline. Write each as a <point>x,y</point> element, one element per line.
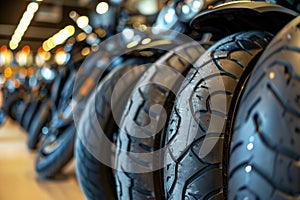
<point>280,100</point>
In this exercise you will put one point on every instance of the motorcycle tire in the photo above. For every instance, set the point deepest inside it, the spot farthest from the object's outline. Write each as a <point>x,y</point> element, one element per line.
<point>95,178</point>
<point>264,148</point>
<point>61,137</point>
<point>11,102</point>
<point>291,4</point>
<point>40,119</point>
<point>3,117</point>
<point>17,108</point>
<point>55,152</point>
<point>29,114</point>
<point>58,83</point>
<point>195,165</point>
<point>20,109</point>
<point>168,70</point>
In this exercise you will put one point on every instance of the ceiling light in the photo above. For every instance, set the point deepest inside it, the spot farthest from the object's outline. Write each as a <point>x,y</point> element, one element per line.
<point>47,73</point>
<point>23,24</point>
<point>15,39</point>
<point>197,5</point>
<point>82,21</point>
<point>19,30</point>
<point>27,16</point>
<point>185,9</point>
<point>13,45</point>
<point>32,7</point>
<point>80,37</point>
<point>8,72</point>
<point>60,56</point>
<point>6,55</point>
<point>59,38</point>
<point>18,35</point>
<point>85,51</point>
<point>47,56</point>
<point>70,29</point>
<point>170,15</point>
<point>46,46</point>
<point>147,7</point>
<point>39,60</point>
<point>102,8</point>
<point>73,15</point>
<point>26,49</point>
<point>21,58</point>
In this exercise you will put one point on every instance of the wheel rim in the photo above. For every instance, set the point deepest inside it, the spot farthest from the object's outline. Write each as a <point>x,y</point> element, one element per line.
<point>51,143</point>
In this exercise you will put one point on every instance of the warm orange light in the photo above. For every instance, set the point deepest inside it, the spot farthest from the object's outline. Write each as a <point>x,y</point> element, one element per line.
<point>21,58</point>
<point>85,51</point>
<point>60,56</point>
<point>26,49</point>
<point>30,71</point>
<point>23,72</point>
<point>17,83</point>
<point>60,50</point>
<point>3,49</point>
<point>81,36</point>
<point>8,72</point>
<point>46,46</point>
<point>40,50</point>
<point>101,32</point>
<point>6,55</point>
<point>47,56</point>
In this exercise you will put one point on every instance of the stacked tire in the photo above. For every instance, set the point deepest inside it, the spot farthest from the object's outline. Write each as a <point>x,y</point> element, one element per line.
<point>211,119</point>
<point>264,149</point>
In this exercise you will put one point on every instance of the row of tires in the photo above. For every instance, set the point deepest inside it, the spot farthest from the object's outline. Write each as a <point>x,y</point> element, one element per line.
<point>209,112</point>
<point>38,110</point>
<point>210,119</point>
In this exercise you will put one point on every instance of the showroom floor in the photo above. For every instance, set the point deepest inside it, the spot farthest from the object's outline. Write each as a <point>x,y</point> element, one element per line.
<point>18,178</point>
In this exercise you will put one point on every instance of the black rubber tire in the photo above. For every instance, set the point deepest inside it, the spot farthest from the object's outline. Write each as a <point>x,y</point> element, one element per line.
<point>264,150</point>
<point>58,83</point>
<point>17,109</point>
<point>20,110</point>
<point>138,112</point>
<point>291,4</point>
<point>11,101</point>
<point>22,117</point>
<point>48,165</point>
<point>199,120</point>
<point>30,113</point>
<point>95,178</point>
<point>3,117</point>
<point>41,118</point>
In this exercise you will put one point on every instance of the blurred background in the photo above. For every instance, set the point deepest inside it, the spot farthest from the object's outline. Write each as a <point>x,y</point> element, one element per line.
<point>34,39</point>
<point>52,59</point>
